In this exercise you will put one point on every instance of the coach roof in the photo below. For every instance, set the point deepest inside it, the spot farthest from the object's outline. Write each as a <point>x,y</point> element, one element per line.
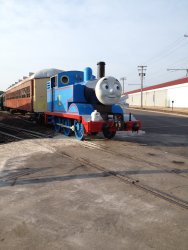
<point>44,73</point>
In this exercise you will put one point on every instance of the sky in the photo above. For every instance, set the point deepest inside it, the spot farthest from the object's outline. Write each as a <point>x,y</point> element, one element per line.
<point>74,34</point>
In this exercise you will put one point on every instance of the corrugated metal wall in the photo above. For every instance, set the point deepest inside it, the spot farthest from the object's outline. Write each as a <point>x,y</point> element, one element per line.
<point>179,95</point>
<point>162,97</point>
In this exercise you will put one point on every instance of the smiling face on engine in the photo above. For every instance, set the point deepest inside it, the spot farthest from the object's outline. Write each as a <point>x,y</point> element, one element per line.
<point>108,90</point>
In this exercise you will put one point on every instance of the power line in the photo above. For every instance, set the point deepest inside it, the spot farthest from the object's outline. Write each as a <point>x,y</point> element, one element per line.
<point>179,43</point>
<point>169,52</point>
<point>170,49</point>
<point>180,60</point>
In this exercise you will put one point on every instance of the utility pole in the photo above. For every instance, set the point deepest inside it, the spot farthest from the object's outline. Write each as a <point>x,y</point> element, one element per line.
<point>142,73</point>
<point>179,69</point>
<point>123,79</point>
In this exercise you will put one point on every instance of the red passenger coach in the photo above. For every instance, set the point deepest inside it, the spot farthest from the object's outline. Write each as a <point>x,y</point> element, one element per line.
<point>20,96</point>
<point>29,95</point>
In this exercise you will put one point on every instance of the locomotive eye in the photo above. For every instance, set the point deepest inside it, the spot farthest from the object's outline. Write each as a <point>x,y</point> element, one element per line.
<point>106,86</point>
<point>117,86</point>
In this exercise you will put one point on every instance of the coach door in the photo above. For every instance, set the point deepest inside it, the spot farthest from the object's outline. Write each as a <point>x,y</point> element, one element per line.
<point>53,85</point>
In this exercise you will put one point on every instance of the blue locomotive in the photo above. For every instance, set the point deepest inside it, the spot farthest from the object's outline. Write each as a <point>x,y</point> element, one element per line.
<point>79,102</point>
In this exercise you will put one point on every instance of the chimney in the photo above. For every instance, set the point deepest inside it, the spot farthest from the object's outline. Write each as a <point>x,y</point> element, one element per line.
<point>100,69</point>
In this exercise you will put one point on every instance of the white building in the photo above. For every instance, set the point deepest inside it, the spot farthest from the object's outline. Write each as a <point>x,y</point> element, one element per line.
<point>162,95</point>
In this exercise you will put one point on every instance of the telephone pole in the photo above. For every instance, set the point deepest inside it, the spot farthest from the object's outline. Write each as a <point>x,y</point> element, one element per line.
<point>123,79</point>
<point>142,73</point>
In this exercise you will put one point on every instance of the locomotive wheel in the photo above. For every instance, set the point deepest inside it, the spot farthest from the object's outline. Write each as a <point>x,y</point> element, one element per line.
<point>57,127</point>
<point>79,130</point>
<point>67,131</point>
<point>107,133</point>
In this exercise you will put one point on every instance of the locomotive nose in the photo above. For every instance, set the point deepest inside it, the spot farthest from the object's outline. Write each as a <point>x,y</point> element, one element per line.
<point>111,91</point>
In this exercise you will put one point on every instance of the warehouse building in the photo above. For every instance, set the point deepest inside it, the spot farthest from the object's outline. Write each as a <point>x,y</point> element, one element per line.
<point>168,94</point>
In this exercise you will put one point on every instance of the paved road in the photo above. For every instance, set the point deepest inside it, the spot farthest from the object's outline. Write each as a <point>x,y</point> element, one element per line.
<point>162,123</point>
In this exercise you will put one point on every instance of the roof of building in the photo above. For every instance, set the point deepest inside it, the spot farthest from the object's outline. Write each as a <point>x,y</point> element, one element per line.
<point>161,85</point>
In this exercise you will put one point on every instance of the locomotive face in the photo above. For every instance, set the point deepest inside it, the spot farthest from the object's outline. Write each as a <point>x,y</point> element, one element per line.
<point>108,90</point>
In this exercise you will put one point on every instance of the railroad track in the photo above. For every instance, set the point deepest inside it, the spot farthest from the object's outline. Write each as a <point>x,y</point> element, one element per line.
<point>118,174</point>
<point>124,178</point>
<point>6,137</point>
<point>134,182</point>
<point>127,179</point>
<point>10,133</point>
<point>92,145</point>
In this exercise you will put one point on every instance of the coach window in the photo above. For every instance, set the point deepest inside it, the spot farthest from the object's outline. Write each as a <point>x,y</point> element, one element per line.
<point>28,92</point>
<point>65,79</point>
<point>22,93</point>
